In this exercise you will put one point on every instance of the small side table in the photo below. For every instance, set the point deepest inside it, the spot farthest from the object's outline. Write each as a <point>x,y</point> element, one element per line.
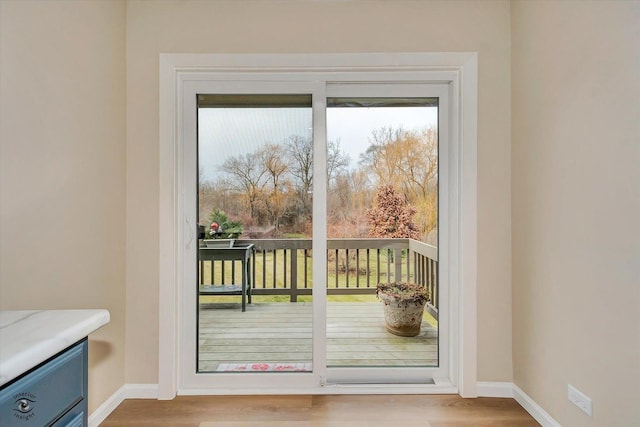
<point>240,253</point>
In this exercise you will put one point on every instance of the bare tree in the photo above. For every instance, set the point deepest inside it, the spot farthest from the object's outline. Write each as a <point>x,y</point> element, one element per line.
<point>250,177</point>
<point>337,160</point>
<point>274,162</point>
<point>407,160</point>
<point>300,151</point>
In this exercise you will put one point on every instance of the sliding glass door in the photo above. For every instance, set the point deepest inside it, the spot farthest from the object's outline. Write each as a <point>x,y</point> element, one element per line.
<point>302,197</point>
<point>382,223</point>
<point>383,192</point>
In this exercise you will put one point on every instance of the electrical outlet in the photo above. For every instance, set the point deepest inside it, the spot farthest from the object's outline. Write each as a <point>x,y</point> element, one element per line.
<point>580,400</point>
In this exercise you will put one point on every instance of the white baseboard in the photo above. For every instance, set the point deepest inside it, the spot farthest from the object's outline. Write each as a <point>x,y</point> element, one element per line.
<point>127,391</point>
<point>141,391</point>
<point>505,389</point>
<point>533,408</point>
<point>103,411</point>
<point>495,389</point>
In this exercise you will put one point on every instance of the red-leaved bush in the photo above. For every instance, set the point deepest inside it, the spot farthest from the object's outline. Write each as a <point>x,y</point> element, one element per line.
<point>391,215</point>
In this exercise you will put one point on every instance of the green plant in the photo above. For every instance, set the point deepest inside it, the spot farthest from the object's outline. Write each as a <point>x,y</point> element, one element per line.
<point>230,229</point>
<point>404,293</point>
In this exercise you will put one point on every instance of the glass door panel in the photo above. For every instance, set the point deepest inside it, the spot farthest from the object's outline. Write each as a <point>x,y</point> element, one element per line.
<point>254,263</point>
<point>382,227</point>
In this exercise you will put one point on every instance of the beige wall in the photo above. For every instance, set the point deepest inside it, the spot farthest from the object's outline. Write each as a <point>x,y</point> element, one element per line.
<point>155,27</point>
<point>572,198</point>
<point>576,206</point>
<point>62,168</point>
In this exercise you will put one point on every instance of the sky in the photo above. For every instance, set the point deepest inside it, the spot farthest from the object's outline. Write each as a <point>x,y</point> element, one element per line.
<point>225,132</point>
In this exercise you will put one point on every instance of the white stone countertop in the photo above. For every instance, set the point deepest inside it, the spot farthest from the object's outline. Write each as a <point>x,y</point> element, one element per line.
<point>28,338</point>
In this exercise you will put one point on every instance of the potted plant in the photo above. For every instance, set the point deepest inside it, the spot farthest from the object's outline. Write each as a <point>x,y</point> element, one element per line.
<point>403,306</point>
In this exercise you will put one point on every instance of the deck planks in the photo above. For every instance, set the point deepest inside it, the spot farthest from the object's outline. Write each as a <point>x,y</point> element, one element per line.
<point>281,332</point>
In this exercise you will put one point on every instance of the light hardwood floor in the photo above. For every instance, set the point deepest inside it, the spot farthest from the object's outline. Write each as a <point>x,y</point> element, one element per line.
<point>321,411</point>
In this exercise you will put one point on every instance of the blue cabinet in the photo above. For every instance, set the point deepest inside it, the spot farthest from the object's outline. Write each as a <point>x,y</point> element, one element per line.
<point>51,394</point>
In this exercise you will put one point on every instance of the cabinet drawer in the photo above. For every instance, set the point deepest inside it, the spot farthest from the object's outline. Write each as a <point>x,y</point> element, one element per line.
<point>76,421</point>
<point>76,417</point>
<point>43,395</point>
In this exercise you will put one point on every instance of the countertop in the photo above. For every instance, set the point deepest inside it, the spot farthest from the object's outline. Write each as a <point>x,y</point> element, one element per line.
<point>28,338</point>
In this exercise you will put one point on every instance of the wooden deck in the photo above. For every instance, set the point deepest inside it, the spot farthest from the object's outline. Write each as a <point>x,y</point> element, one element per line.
<point>281,333</point>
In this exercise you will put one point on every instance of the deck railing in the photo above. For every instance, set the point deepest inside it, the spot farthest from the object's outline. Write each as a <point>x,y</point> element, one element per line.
<point>355,266</point>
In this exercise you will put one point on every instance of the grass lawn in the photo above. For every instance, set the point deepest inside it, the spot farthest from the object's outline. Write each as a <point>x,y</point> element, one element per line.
<point>277,270</point>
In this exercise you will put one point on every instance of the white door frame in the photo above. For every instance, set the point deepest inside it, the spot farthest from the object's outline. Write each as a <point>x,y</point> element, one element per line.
<point>459,70</point>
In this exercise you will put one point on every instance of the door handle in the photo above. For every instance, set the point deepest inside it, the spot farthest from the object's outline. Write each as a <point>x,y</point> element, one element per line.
<point>191,232</point>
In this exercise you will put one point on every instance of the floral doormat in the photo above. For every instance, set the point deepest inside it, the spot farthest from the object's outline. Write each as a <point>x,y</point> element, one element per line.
<point>264,367</point>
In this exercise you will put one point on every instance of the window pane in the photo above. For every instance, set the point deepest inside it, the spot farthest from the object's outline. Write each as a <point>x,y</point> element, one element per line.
<point>254,204</point>
<point>383,185</point>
